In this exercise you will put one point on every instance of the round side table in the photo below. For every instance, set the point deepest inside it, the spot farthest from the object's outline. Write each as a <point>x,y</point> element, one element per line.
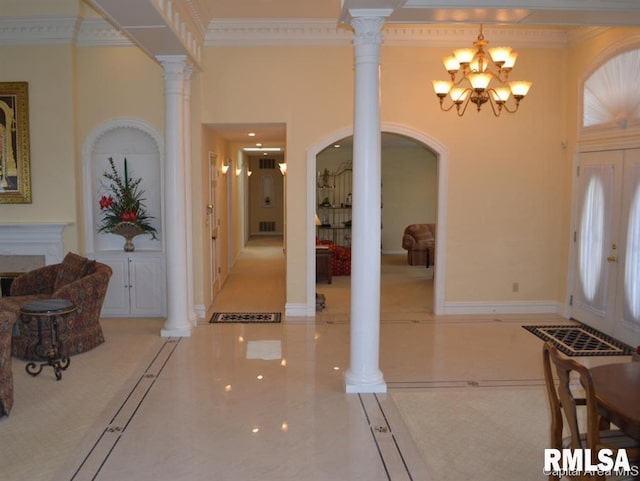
<point>49,311</point>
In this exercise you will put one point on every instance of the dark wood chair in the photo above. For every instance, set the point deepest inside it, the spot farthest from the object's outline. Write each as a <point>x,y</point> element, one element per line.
<point>563,403</point>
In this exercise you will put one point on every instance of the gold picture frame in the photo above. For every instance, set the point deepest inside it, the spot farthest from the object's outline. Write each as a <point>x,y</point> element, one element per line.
<point>15,166</point>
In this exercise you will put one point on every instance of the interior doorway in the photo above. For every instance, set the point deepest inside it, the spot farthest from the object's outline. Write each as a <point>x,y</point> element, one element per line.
<point>440,168</point>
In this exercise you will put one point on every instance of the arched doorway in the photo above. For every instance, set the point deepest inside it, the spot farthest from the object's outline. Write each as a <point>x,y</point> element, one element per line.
<point>442,173</point>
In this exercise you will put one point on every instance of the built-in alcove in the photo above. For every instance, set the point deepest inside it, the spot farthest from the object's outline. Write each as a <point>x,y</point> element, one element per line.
<point>141,145</point>
<point>138,284</point>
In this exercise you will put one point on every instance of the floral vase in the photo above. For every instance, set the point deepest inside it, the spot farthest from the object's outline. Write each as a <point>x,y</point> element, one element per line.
<point>128,230</point>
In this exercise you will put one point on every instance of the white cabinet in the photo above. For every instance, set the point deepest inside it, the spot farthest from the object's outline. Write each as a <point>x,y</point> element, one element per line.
<point>137,287</point>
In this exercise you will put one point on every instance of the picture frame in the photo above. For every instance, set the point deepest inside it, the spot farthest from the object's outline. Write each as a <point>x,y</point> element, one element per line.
<point>15,165</point>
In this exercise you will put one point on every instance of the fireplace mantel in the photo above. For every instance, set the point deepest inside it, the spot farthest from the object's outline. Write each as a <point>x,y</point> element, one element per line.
<point>42,238</point>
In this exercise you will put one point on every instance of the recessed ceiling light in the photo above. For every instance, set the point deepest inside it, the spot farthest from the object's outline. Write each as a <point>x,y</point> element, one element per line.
<point>251,134</point>
<point>258,144</point>
<point>337,146</point>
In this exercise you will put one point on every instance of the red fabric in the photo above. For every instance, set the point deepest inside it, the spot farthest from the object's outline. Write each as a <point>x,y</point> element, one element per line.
<point>341,257</point>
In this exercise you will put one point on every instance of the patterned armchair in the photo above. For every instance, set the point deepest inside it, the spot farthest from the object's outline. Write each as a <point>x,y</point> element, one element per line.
<point>78,279</point>
<point>6,376</point>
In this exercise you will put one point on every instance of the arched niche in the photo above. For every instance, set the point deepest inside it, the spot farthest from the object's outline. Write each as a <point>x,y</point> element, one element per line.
<point>142,147</point>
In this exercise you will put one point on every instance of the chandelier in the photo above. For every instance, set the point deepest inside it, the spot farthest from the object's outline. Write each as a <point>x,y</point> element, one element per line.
<point>472,72</point>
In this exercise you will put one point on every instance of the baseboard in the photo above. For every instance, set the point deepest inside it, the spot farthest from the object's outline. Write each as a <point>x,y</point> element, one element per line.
<point>506,307</point>
<point>394,253</point>
<point>299,309</point>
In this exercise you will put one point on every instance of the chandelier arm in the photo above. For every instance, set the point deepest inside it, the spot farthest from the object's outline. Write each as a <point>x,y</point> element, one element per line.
<point>514,110</point>
<point>464,104</point>
<point>496,107</point>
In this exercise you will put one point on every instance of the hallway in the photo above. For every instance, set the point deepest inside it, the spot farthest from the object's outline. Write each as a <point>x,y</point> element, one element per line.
<point>267,402</point>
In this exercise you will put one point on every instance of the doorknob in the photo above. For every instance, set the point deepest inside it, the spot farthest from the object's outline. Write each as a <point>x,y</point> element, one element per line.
<point>612,259</point>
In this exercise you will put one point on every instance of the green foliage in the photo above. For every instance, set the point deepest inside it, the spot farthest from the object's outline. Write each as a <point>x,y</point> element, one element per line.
<point>125,204</point>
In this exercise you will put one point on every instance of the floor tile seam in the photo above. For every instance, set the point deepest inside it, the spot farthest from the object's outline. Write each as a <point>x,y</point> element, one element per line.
<point>474,321</point>
<point>467,383</point>
<point>110,428</point>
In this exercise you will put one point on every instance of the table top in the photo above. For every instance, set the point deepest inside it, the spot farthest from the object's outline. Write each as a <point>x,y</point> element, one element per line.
<point>45,307</point>
<point>617,389</point>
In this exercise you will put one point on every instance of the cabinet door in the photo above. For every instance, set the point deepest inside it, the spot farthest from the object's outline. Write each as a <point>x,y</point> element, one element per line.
<point>116,302</point>
<point>147,287</point>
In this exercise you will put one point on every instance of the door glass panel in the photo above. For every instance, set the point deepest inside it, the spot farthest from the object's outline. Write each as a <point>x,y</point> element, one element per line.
<point>591,239</point>
<point>632,262</point>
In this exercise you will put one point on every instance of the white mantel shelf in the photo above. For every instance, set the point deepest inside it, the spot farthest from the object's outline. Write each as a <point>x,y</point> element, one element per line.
<point>33,238</point>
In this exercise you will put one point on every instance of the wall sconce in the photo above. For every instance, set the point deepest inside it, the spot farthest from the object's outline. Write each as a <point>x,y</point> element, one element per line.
<point>224,168</point>
<point>238,171</point>
<point>249,173</point>
<point>283,168</point>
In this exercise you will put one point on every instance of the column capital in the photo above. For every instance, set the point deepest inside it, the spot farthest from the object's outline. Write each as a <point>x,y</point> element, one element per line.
<point>368,24</point>
<point>173,66</point>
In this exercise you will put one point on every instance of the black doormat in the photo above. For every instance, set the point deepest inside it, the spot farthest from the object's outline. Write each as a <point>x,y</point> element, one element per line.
<point>245,317</point>
<point>580,340</point>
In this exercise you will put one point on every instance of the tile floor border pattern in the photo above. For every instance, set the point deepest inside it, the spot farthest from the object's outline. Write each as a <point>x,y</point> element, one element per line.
<point>378,413</point>
<point>384,438</point>
<point>99,451</point>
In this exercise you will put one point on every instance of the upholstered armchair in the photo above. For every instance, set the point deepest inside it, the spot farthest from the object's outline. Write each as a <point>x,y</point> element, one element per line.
<point>420,242</point>
<point>6,375</point>
<point>78,279</point>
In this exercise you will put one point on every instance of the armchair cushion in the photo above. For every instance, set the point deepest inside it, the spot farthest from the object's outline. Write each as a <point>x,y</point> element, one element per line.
<point>73,267</point>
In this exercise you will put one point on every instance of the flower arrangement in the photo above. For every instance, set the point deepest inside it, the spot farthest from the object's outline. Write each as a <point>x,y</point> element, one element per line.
<point>124,205</point>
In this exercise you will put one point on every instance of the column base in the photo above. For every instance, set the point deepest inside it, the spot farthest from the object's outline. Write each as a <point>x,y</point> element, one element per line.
<point>176,332</point>
<point>354,385</point>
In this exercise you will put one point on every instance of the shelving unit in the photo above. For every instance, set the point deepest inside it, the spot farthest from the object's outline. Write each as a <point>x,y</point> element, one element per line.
<point>334,205</point>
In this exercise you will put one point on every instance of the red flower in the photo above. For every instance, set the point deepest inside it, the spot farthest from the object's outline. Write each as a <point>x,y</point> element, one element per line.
<point>129,216</point>
<point>105,202</point>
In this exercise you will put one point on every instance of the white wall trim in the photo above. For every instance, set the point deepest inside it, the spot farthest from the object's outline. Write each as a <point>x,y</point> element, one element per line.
<point>31,238</point>
<point>503,307</point>
<point>93,32</point>
<point>38,30</point>
<point>298,309</point>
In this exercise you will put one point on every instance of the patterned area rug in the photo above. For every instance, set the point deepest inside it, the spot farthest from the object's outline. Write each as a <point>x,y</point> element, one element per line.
<point>245,317</point>
<point>580,340</point>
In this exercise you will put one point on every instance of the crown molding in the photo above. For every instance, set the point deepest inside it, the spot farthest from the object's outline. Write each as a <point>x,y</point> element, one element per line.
<point>243,32</point>
<point>97,32</point>
<point>294,32</point>
<point>37,30</point>
<point>91,32</point>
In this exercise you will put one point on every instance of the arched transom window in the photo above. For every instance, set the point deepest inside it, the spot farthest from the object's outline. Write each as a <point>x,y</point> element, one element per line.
<point>611,93</point>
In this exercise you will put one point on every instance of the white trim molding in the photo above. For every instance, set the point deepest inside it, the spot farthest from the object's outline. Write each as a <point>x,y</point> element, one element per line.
<point>36,238</point>
<point>38,30</point>
<point>503,307</point>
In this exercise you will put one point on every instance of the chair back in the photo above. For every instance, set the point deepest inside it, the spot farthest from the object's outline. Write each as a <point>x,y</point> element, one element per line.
<point>563,402</point>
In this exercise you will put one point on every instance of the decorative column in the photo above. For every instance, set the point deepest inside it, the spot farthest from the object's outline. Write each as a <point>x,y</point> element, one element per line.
<point>364,375</point>
<point>188,69</point>
<point>177,323</point>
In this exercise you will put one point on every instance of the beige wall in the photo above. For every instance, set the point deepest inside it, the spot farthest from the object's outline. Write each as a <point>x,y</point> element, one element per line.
<point>409,193</point>
<point>507,176</point>
<point>509,190</point>
<point>49,72</point>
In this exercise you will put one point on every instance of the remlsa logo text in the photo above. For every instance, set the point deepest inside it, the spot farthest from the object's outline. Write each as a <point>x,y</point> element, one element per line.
<point>579,461</point>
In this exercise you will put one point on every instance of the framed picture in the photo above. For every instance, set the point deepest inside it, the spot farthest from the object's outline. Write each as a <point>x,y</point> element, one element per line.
<point>15,180</point>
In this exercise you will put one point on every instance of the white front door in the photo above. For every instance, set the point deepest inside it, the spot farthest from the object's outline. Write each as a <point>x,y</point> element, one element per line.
<point>607,240</point>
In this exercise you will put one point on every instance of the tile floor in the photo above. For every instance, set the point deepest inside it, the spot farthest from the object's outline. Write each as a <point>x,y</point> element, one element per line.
<point>266,401</point>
